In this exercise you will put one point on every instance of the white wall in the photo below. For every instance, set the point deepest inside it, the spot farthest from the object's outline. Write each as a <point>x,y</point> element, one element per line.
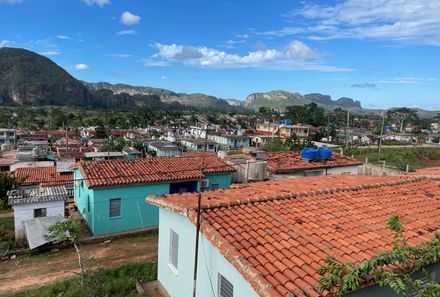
<point>343,170</point>
<point>211,262</point>
<point>26,212</point>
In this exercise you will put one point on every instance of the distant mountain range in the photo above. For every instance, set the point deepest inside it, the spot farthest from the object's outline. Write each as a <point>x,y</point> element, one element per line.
<point>27,78</point>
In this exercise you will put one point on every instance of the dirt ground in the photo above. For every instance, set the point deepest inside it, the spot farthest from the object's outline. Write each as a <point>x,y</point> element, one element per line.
<point>28,271</point>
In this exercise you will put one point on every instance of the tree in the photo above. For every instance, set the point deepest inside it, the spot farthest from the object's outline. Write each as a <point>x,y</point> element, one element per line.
<point>395,268</point>
<point>69,230</point>
<point>402,116</point>
<point>310,114</point>
<point>7,182</point>
<point>293,143</point>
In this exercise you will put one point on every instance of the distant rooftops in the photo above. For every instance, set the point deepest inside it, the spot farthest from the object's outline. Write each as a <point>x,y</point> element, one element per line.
<point>287,162</point>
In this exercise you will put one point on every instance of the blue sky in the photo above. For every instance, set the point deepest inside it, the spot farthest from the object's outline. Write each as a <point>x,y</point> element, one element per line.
<point>384,53</point>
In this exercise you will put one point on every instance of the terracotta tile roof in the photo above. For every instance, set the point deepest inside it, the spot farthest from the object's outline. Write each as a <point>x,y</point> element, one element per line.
<point>152,170</point>
<point>431,172</point>
<point>277,233</point>
<point>289,162</point>
<point>46,176</point>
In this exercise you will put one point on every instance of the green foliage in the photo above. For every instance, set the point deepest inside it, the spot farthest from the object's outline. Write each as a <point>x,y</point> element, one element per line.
<point>7,182</point>
<point>114,145</point>
<point>293,143</point>
<point>398,157</point>
<point>68,230</point>
<point>395,268</point>
<point>115,282</point>
<point>6,235</point>
<point>402,116</point>
<point>310,114</point>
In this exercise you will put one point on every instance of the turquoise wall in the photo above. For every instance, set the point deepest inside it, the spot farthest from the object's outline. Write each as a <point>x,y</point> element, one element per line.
<point>223,180</point>
<point>94,204</point>
<point>211,262</point>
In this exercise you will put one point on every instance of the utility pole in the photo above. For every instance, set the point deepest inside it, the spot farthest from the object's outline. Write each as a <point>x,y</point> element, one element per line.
<point>380,139</point>
<point>199,210</point>
<point>346,128</point>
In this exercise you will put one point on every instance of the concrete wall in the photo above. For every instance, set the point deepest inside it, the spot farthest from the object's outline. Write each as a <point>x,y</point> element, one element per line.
<point>318,172</point>
<point>94,204</point>
<point>26,212</point>
<point>211,262</point>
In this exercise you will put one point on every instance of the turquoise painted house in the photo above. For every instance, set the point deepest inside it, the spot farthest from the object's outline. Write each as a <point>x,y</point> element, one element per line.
<point>270,238</point>
<point>110,194</point>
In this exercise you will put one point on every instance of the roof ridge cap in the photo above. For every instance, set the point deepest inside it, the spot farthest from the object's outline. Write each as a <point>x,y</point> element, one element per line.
<point>294,194</point>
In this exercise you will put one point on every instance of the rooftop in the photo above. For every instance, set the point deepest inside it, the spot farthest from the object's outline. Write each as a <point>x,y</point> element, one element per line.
<point>430,172</point>
<point>37,195</point>
<point>288,162</point>
<point>278,233</point>
<point>151,170</point>
<point>46,176</point>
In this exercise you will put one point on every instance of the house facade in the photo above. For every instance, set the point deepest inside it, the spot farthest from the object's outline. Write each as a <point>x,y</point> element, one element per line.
<point>8,136</point>
<point>35,202</point>
<point>200,145</point>
<point>110,195</point>
<point>164,148</point>
<point>270,238</point>
<point>284,131</point>
<point>231,141</point>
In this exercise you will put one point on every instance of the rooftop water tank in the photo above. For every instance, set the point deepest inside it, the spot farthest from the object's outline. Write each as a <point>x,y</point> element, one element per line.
<point>324,153</point>
<point>309,153</point>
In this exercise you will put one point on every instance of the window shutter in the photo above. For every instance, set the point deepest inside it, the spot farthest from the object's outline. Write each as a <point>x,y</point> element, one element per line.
<point>174,249</point>
<point>225,288</point>
<point>115,207</point>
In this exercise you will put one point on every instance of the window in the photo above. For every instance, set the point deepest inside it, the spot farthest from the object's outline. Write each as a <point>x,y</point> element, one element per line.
<point>88,203</point>
<point>215,186</point>
<point>199,146</point>
<point>115,207</point>
<point>40,213</point>
<point>225,288</point>
<point>174,250</point>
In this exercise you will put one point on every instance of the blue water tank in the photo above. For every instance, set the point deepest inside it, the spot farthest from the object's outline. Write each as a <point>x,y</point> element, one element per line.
<point>309,153</point>
<point>324,153</point>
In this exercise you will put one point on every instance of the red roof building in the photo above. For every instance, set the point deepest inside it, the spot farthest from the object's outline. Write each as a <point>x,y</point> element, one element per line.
<point>44,176</point>
<point>152,170</point>
<point>270,238</point>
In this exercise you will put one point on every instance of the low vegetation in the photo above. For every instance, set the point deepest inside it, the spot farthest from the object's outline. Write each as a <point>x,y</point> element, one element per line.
<point>399,157</point>
<point>6,235</point>
<point>115,282</point>
<point>404,268</point>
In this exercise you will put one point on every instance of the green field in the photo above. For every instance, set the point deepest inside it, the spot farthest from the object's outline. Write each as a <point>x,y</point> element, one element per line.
<point>399,157</point>
<point>115,282</point>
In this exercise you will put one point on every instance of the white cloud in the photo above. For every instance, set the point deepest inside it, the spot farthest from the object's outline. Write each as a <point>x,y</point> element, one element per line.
<point>119,55</point>
<point>81,67</point>
<point>127,32</point>
<point>128,18</point>
<point>295,56</point>
<point>401,21</point>
<point>50,53</point>
<point>63,37</point>
<point>5,42</point>
<point>147,62</point>
<point>164,77</point>
<point>406,80</point>
<point>46,42</point>
<point>299,50</point>
<point>97,2</point>
<point>10,1</point>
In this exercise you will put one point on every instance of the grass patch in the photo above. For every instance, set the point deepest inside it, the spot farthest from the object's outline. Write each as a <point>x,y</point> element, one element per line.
<point>8,225</point>
<point>115,282</point>
<point>399,157</point>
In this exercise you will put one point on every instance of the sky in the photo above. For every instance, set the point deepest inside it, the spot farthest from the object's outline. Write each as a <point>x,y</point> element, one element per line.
<point>384,53</point>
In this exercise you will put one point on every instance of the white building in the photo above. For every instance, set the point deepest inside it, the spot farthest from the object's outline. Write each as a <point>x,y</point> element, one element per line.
<point>200,145</point>
<point>164,148</point>
<point>35,202</point>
